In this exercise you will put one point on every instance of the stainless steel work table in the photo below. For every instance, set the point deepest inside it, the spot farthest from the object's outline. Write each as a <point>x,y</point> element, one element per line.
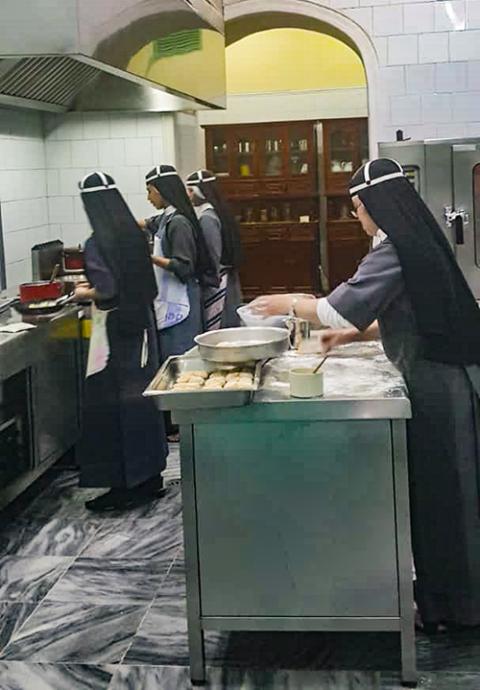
<point>296,513</point>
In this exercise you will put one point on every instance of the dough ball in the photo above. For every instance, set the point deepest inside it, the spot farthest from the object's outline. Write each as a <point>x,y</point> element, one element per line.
<point>213,386</point>
<point>199,374</point>
<point>183,378</point>
<point>232,377</point>
<point>196,380</point>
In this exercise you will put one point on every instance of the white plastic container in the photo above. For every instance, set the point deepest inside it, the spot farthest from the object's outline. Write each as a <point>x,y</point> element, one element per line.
<point>250,319</point>
<point>305,384</point>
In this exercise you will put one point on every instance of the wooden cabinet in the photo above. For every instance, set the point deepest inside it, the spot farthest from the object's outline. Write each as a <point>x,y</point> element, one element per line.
<point>346,149</point>
<point>269,175</point>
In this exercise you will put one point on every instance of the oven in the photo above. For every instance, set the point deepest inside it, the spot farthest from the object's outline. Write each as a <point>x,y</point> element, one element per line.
<point>446,173</point>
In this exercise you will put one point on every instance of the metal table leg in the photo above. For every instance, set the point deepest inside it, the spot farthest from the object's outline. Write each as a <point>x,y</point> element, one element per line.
<point>404,555</point>
<point>195,631</point>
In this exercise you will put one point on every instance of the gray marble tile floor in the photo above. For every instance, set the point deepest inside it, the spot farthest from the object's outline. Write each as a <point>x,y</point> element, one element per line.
<point>98,603</point>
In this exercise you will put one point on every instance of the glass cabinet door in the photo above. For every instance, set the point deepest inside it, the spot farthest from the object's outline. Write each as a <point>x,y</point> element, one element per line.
<point>299,153</point>
<point>220,153</point>
<point>272,151</point>
<point>245,156</point>
<point>363,141</point>
<point>342,148</point>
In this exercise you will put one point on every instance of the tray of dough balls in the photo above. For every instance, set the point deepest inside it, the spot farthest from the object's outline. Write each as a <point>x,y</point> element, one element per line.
<point>187,382</point>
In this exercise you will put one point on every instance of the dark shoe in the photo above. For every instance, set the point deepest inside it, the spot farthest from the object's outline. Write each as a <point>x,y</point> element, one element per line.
<point>106,502</point>
<point>151,487</point>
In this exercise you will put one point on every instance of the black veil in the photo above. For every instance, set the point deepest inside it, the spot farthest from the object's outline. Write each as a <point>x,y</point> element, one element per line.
<point>445,309</point>
<point>123,247</point>
<point>167,181</point>
<point>206,182</point>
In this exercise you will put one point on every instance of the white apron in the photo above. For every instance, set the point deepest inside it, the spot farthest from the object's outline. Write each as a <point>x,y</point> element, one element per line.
<point>171,305</point>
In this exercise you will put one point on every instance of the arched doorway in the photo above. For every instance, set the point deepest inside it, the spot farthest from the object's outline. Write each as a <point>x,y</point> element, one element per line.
<point>327,238</point>
<point>247,16</point>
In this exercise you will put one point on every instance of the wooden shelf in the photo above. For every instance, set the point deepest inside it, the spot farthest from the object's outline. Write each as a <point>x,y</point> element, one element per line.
<point>270,223</point>
<point>345,220</point>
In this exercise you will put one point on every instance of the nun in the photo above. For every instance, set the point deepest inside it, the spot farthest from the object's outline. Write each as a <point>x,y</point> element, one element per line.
<point>410,292</point>
<point>123,445</point>
<point>181,260</point>
<point>223,235</point>
<point>213,297</point>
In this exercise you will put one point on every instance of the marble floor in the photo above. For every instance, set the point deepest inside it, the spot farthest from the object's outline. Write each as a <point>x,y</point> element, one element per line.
<point>98,603</point>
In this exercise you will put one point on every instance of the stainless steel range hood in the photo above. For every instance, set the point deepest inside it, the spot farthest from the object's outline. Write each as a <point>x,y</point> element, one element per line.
<point>112,54</point>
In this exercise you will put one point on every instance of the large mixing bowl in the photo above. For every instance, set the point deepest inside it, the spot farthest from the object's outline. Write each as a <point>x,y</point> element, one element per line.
<point>237,345</point>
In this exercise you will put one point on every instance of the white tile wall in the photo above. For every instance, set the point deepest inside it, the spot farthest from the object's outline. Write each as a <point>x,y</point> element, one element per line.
<point>473,14</point>
<point>465,45</point>
<point>420,78</point>
<point>433,47</point>
<point>363,16</point>
<point>387,21</point>
<point>437,107</point>
<point>126,145</point>
<point>23,190</point>
<point>450,15</point>
<point>418,18</point>
<point>403,50</point>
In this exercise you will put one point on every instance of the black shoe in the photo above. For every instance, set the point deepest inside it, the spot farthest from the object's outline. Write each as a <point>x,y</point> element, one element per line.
<point>106,502</point>
<point>151,487</point>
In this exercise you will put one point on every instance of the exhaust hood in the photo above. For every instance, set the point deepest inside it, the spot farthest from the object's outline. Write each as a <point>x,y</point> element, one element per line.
<point>112,54</point>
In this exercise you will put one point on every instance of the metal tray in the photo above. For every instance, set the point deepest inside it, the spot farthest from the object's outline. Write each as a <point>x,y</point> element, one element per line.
<point>256,344</point>
<point>166,399</point>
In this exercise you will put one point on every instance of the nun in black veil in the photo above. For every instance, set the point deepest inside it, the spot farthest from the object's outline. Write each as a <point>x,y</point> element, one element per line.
<point>410,292</point>
<point>123,445</point>
<point>182,262</point>
<point>220,226</point>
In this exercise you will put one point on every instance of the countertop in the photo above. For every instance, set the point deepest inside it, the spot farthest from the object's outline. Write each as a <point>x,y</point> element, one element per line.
<point>20,350</point>
<point>359,383</point>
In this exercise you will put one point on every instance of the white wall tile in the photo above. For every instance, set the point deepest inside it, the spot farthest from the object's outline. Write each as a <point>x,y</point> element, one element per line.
<point>342,4</point>
<point>363,17</point>
<point>60,209</point>
<point>111,152</point>
<point>18,272</point>
<point>66,127</point>
<point>418,18</point>
<point>437,107</point>
<point>466,106</point>
<point>393,80</point>
<point>464,45</point>
<point>373,3</point>
<point>473,14</point>
<point>139,205</point>
<point>139,152</point>
<point>96,126</point>
<point>151,124</point>
<point>472,129</point>
<point>130,180</point>
<point>75,233</point>
<point>454,130</point>
<point>405,110</point>
<point>53,183</point>
<point>59,154</point>
<point>451,77</point>
<point>123,126</point>
<point>473,75</point>
<point>69,180</point>
<point>85,154</point>
<point>433,47</point>
<point>388,21</point>
<point>15,244</point>
<point>419,78</point>
<point>37,236</point>
<point>79,215</point>
<point>403,50</point>
<point>450,15</point>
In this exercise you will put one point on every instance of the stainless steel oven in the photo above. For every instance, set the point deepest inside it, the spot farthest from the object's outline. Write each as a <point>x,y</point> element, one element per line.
<point>446,172</point>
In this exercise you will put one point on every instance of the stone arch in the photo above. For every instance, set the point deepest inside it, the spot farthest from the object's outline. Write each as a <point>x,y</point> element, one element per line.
<point>244,17</point>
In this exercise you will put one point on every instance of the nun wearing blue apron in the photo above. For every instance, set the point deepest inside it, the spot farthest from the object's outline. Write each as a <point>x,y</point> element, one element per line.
<point>410,292</point>
<point>223,237</point>
<point>181,262</point>
<point>123,445</point>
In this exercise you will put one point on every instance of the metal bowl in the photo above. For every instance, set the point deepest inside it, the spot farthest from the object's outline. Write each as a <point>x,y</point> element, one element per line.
<point>248,344</point>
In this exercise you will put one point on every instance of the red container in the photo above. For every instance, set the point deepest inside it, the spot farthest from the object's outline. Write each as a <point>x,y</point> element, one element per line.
<point>41,290</point>
<point>73,260</point>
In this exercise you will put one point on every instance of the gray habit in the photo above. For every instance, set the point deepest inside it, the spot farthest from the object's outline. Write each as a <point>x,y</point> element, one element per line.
<point>443,442</point>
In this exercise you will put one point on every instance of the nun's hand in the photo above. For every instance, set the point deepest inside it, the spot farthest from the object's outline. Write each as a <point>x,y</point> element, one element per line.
<point>334,337</point>
<point>272,305</point>
<point>83,292</point>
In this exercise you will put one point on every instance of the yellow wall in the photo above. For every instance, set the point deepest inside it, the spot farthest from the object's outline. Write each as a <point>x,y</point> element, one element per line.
<point>291,60</point>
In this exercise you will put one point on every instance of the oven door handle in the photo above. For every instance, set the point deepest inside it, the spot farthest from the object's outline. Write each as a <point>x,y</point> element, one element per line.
<point>459,236</point>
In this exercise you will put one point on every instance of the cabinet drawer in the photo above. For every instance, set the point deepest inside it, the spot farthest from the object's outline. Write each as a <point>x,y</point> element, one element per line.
<point>277,187</point>
<point>300,186</point>
<point>277,233</point>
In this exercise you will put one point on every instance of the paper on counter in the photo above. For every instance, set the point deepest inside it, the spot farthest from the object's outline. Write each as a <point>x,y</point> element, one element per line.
<point>16,327</point>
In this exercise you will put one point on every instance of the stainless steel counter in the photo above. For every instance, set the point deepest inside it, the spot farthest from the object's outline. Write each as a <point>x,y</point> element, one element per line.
<point>45,362</point>
<point>296,512</point>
